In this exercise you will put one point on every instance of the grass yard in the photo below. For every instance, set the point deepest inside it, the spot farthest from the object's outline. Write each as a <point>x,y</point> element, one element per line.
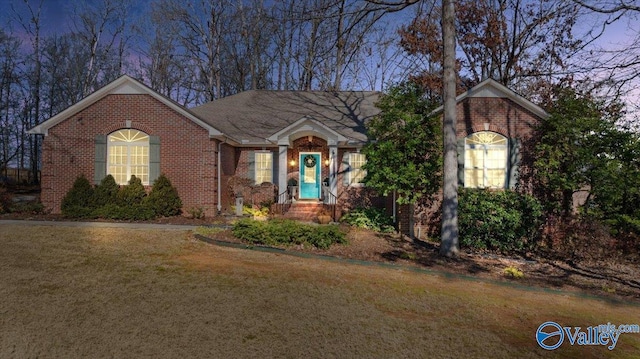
<point>105,292</point>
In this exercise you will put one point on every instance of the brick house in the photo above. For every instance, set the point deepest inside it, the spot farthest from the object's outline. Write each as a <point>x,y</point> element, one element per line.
<point>265,145</point>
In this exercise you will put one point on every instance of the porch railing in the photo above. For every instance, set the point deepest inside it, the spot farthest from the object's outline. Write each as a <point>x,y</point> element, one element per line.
<point>284,202</point>
<point>330,203</point>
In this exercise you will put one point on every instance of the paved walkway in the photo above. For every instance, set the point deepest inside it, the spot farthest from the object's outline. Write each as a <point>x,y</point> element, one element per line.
<point>174,227</point>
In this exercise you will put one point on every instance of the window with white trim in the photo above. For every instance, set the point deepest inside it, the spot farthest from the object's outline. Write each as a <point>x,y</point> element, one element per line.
<point>356,172</point>
<point>485,160</point>
<point>264,167</point>
<point>127,155</point>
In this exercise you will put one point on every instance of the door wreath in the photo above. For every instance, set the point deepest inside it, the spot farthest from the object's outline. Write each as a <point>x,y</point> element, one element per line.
<point>309,161</point>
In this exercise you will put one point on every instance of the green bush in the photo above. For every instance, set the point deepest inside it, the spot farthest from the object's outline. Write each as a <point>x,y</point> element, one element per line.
<point>5,200</point>
<point>106,192</point>
<point>163,198</point>
<point>78,202</point>
<point>370,218</point>
<point>133,193</point>
<point>287,232</point>
<point>135,212</point>
<point>130,202</point>
<point>498,220</point>
<point>28,207</point>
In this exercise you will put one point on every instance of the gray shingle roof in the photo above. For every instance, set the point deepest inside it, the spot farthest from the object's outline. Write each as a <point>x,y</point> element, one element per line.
<point>252,116</point>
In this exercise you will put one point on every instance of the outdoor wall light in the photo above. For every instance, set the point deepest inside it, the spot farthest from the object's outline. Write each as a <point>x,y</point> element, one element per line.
<point>292,163</point>
<point>326,162</point>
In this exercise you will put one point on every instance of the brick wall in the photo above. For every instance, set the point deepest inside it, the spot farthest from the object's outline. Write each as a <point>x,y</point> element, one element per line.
<point>499,115</point>
<point>187,155</point>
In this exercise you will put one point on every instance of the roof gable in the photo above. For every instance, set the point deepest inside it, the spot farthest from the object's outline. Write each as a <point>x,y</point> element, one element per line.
<point>124,85</point>
<point>254,117</point>
<point>304,127</point>
<point>492,88</point>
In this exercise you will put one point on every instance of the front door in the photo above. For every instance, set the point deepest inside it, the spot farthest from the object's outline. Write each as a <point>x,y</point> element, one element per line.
<point>310,175</point>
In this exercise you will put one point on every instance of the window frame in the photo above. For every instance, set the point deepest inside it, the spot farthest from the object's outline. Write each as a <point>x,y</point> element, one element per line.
<point>355,172</point>
<point>130,143</point>
<point>260,169</point>
<point>499,142</point>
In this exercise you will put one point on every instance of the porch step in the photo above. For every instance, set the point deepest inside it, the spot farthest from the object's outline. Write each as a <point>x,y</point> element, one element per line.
<point>304,211</point>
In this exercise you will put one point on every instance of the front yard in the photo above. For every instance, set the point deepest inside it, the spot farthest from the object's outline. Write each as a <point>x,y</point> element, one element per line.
<point>104,292</point>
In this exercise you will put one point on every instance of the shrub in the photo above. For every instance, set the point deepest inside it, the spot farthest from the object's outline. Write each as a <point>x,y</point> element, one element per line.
<point>28,207</point>
<point>135,212</point>
<point>513,272</point>
<point>370,218</point>
<point>133,193</point>
<point>5,199</point>
<point>498,220</point>
<point>196,212</point>
<point>78,202</point>
<point>287,232</point>
<point>163,198</point>
<point>106,192</point>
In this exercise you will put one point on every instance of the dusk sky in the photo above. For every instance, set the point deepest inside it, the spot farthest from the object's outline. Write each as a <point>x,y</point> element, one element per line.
<point>56,19</point>
<point>55,16</point>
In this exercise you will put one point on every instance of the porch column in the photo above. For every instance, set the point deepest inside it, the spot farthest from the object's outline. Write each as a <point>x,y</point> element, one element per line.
<point>333,169</point>
<point>283,168</point>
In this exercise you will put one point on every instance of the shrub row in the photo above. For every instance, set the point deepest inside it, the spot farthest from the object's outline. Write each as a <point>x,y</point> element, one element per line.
<point>130,202</point>
<point>498,220</point>
<point>287,232</point>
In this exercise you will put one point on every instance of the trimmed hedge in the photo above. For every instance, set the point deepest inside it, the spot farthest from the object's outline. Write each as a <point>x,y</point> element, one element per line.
<point>78,202</point>
<point>163,198</point>
<point>129,202</point>
<point>287,232</point>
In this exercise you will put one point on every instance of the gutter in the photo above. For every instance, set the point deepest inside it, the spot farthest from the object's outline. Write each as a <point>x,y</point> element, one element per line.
<point>220,173</point>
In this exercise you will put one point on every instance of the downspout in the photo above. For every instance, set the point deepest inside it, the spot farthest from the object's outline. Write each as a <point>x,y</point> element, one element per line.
<point>220,173</point>
<point>394,207</point>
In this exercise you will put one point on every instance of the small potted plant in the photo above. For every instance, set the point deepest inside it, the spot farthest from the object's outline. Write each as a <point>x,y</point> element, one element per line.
<point>324,217</point>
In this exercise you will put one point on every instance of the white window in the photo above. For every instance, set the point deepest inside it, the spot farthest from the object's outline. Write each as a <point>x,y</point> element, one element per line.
<point>264,167</point>
<point>356,173</point>
<point>127,155</point>
<point>485,160</point>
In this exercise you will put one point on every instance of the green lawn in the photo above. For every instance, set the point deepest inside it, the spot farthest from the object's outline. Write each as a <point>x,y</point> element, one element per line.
<point>102,292</point>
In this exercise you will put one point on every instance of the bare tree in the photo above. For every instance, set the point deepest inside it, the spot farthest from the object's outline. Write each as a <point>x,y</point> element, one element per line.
<point>612,68</point>
<point>9,100</point>
<point>199,26</point>
<point>30,145</point>
<point>101,29</point>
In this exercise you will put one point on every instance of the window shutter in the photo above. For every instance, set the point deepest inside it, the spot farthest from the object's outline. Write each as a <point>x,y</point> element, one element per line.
<point>100,162</point>
<point>154,158</point>
<point>252,166</point>
<point>275,162</point>
<point>515,157</point>
<point>460,150</point>
<point>346,168</point>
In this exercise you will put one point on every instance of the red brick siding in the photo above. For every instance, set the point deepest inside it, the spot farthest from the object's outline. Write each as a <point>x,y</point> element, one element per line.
<point>500,115</point>
<point>187,155</point>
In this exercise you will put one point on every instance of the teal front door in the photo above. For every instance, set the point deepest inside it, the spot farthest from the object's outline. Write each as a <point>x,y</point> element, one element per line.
<point>310,176</point>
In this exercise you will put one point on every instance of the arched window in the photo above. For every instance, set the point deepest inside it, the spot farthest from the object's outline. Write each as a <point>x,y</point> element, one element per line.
<point>127,155</point>
<point>485,160</point>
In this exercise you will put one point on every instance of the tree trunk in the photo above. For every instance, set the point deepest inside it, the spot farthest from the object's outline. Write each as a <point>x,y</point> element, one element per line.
<point>449,244</point>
